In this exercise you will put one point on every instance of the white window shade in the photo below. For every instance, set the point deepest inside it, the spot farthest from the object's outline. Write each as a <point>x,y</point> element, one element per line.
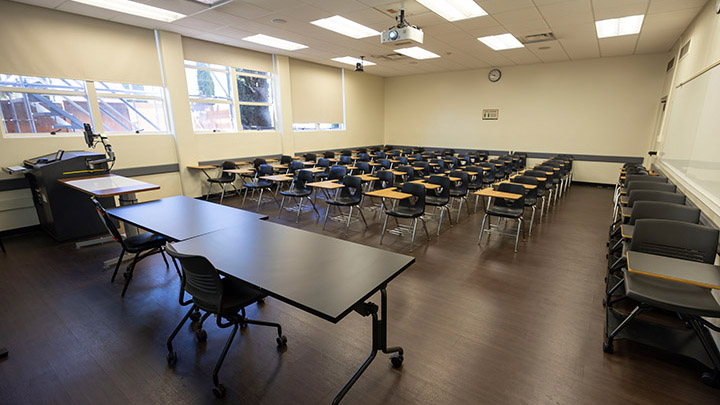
<point>218,54</point>
<point>317,93</point>
<point>37,41</point>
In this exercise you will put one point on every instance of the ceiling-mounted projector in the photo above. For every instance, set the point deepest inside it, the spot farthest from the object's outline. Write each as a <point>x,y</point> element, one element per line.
<point>402,32</point>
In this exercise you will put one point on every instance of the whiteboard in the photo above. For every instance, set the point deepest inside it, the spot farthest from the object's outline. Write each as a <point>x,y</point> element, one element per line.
<point>691,146</point>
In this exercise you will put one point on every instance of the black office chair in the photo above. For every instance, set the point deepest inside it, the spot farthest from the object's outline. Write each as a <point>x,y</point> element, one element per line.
<point>310,157</point>
<point>362,168</point>
<point>294,166</point>
<point>531,196</point>
<point>325,165</point>
<point>346,152</point>
<point>439,197</point>
<point>142,245</point>
<point>299,191</point>
<point>223,180</point>
<point>408,209</point>
<point>261,184</point>
<point>506,208</point>
<point>363,157</point>
<point>499,166</point>
<point>475,178</point>
<point>408,176</point>
<point>329,155</point>
<point>285,159</point>
<point>421,168</point>
<point>459,191</point>
<point>349,196</point>
<point>337,172</point>
<point>384,163</point>
<point>691,303</point>
<point>226,298</point>
<point>345,160</point>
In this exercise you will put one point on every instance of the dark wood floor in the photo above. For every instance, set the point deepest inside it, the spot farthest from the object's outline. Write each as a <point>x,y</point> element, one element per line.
<point>479,324</point>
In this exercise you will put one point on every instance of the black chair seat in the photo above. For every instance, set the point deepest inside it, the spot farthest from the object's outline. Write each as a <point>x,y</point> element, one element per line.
<point>436,201</point>
<point>221,180</point>
<point>530,201</point>
<point>506,212</point>
<point>457,193</point>
<point>671,295</point>
<point>236,296</point>
<point>305,192</point>
<point>540,192</point>
<point>472,186</point>
<point>405,212</point>
<point>259,184</point>
<point>342,200</point>
<point>144,241</point>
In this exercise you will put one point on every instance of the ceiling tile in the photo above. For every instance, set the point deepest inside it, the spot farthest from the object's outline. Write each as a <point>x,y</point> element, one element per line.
<point>244,10</point>
<point>521,56</point>
<point>499,6</point>
<point>573,12</point>
<point>618,46</point>
<point>551,51</point>
<point>184,7</point>
<point>664,6</point>
<point>619,8</point>
<point>44,3</point>
<point>580,48</point>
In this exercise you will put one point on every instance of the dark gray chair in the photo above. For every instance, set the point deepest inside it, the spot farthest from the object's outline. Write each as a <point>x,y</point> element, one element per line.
<point>439,198</point>
<point>408,209</point>
<point>226,298</point>
<point>349,196</point>
<point>506,208</point>
<point>261,184</point>
<point>223,180</point>
<point>299,191</point>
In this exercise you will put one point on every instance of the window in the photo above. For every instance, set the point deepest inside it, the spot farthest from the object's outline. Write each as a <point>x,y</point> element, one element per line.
<point>131,108</point>
<point>255,99</point>
<point>214,97</point>
<point>211,103</point>
<point>318,127</point>
<point>43,105</point>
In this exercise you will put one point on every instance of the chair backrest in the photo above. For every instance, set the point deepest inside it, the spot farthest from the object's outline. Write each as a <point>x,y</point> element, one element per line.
<point>664,210</point>
<point>257,162</point>
<point>200,279</point>
<point>680,240</point>
<point>363,167</point>
<point>652,195</point>
<point>337,172</point>
<point>644,177</point>
<point>346,152</point>
<point>651,185</point>
<point>109,225</point>
<point>323,162</point>
<point>363,157</point>
<point>418,191</point>
<point>362,150</point>
<point>424,166</point>
<point>384,163</point>
<point>310,157</point>
<point>352,189</point>
<point>547,169</point>
<point>385,179</point>
<point>265,170</point>
<point>380,155</point>
<point>499,166</point>
<point>228,165</point>
<point>345,160</point>
<point>303,177</point>
<point>407,169</point>
<point>507,202</point>
<point>529,192</point>
<point>294,166</point>
<point>475,176</point>
<point>328,155</point>
<point>404,160</point>
<point>488,175</point>
<point>462,185</point>
<point>444,191</point>
<point>285,159</point>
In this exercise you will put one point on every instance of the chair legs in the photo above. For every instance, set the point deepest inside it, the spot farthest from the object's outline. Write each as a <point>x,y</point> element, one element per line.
<point>517,234</point>
<point>442,211</point>
<point>382,234</point>
<point>117,266</point>
<point>129,273</point>
<point>482,228</point>
<point>532,218</point>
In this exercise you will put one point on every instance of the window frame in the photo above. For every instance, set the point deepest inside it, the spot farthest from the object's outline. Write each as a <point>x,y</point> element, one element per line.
<point>271,104</point>
<point>93,97</point>
<point>188,64</point>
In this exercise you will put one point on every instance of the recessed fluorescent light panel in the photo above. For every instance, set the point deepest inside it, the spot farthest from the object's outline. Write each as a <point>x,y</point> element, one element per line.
<point>274,42</point>
<point>616,27</point>
<point>353,61</point>
<point>417,53</point>
<point>342,25</point>
<point>138,9</point>
<point>501,42</point>
<point>454,10</point>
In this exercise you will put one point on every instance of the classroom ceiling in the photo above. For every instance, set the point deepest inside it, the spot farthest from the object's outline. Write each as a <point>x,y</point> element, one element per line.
<point>571,22</point>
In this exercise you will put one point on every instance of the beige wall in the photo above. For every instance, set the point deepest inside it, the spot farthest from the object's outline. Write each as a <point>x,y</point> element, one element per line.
<point>594,106</point>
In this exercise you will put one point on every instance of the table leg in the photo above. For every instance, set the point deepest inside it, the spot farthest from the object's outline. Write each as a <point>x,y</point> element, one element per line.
<point>379,341</point>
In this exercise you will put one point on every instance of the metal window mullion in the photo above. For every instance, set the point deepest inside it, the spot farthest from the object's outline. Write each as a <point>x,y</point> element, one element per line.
<point>236,103</point>
<point>41,91</point>
<point>255,103</point>
<point>210,101</point>
<point>94,100</point>
<point>128,95</point>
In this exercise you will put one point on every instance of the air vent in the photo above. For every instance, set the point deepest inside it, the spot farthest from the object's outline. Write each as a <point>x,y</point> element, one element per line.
<point>535,38</point>
<point>685,49</point>
<point>391,57</point>
<point>670,65</point>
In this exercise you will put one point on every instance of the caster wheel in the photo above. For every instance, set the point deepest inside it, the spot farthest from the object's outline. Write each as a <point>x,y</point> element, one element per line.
<point>281,341</point>
<point>397,360</point>
<point>172,359</point>
<point>219,391</point>
<point>195,316</point>
<point>607,347</point>
<point>201,335</point>
<point>710,379</point>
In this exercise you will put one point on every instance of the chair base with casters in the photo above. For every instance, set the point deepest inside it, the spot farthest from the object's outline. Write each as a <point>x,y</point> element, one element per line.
<point>226,298</point>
